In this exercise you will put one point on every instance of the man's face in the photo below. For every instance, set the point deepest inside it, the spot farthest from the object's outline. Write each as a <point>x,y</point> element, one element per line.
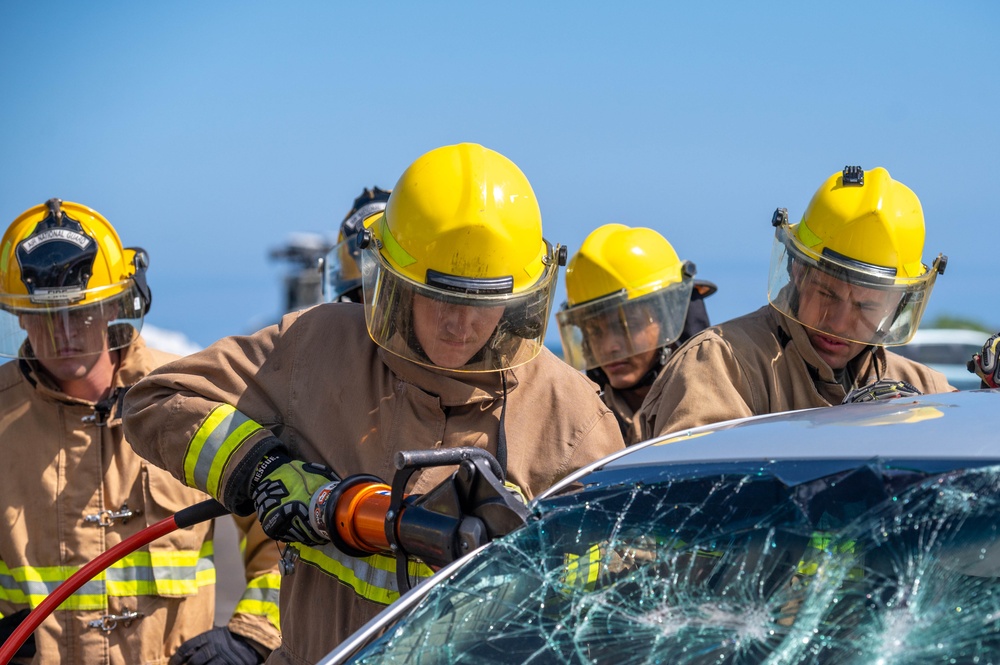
<point>452,334</point>
<point>608,337</point>
<point>843,312</point>
<point>68,343</point>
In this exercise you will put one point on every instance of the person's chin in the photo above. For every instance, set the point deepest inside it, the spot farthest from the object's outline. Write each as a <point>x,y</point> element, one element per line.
<point>449,357</point>
<point>66,369</point>
<point>620,375</point>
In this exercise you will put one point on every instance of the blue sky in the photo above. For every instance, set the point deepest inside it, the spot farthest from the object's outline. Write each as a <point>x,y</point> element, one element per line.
<point>208,132</point>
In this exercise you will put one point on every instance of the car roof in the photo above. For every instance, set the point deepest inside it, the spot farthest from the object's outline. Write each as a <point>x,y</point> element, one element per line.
<point>948,336</point>
<point>946,426</point>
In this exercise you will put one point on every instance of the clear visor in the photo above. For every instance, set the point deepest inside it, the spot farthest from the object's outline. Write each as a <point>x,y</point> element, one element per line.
<point>105,318</point>
<point>842,299</point>
<point>613,328</point>
<point>453,330</point>
<point>341,273</point>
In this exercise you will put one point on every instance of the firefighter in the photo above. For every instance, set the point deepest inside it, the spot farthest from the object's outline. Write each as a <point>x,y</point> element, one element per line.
<point>845,282</point>
<point>343,263</point>
<point>446,351</point>
<point>72,302</point>
<point>630,302</point>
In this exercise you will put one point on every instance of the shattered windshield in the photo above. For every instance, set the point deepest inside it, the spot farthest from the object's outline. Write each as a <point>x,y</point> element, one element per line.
<point>880,563</point>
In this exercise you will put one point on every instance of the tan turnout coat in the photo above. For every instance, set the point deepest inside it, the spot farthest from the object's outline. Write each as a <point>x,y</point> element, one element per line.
<point>756,364</point>
<point>320,384</point>
<point>62,467</point>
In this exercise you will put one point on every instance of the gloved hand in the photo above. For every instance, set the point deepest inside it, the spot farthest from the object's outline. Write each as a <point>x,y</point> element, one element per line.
<point>8,625</point>
<point>282,489</point>
<point>881,390</point>
<point>219,646</point>
<point>985,365</point>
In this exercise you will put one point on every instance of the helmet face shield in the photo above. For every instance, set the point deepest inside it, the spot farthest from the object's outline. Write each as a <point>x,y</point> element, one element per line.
<point>342,266</point>
<point>47,327</point>
<point>341,273</point>
<point>614,327</point>
<point>447,328</point>
<point>843,298</point>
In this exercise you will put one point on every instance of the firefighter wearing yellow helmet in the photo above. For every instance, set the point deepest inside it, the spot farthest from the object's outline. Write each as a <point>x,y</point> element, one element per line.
<point>72,302</point>
<point>846,281</point>
<point>630,302</point>
<point>446,351</point>
<point>456,281</point>
<point>62,270</point>
<point>342,267</point>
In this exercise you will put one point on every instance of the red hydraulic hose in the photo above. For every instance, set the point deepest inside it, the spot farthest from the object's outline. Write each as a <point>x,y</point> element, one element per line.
<point>200,512</point>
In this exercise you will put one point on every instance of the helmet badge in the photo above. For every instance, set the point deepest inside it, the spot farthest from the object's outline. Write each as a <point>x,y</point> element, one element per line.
<point>57,259</point>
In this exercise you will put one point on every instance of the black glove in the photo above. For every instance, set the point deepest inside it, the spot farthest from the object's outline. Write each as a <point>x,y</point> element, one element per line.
<point>219,646</point>
<point>282,489</point>
<point>8,625</point>
<point>881,390</point>
<point>985,365</point>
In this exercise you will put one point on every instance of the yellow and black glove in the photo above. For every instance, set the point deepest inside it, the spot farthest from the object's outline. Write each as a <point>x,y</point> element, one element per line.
<point>282,489</point>
<point>984,364</point>
<point>881,390</point>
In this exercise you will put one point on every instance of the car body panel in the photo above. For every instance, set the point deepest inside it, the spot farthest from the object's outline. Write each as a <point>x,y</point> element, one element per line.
<point>857,533</point>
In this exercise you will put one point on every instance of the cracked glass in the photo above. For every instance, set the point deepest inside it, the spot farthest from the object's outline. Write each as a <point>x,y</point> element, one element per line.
<point>873,562</point>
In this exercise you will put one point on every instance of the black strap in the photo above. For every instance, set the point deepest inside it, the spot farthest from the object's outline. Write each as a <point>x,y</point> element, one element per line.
<point>502,435</point>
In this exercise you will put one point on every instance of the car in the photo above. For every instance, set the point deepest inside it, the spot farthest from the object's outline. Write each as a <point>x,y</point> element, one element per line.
<point>947,350</point>
<point>859,533</point>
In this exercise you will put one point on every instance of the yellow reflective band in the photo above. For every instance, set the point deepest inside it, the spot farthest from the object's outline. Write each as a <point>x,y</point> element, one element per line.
<point>213,445</point>
<point>165,574</point>
<point>261,598</point>
<point>822,541</point>
<point>393,248</point>
<point>590,561</point>
<point>372,577</point>
<point>516,490</point>
<point>806,236</point>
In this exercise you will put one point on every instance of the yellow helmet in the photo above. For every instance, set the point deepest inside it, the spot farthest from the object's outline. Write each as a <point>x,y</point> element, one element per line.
<point>865,231</point>
<point>342,267</point>
<point>623,281</point>
<point>461,227</point>
<point>62,258</point>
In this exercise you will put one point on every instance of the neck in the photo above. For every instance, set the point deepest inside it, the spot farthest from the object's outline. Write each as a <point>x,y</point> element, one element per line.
<point>97,383</point>
<point>634,396</point>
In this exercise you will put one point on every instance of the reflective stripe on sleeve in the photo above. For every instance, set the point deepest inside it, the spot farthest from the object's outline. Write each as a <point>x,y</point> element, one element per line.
<point>261,598</point>
<point>213,444</point>
<point>372,577</point>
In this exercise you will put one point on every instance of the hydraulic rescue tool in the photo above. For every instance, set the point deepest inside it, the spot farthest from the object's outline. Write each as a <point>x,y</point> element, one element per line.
<point>361,515</point>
